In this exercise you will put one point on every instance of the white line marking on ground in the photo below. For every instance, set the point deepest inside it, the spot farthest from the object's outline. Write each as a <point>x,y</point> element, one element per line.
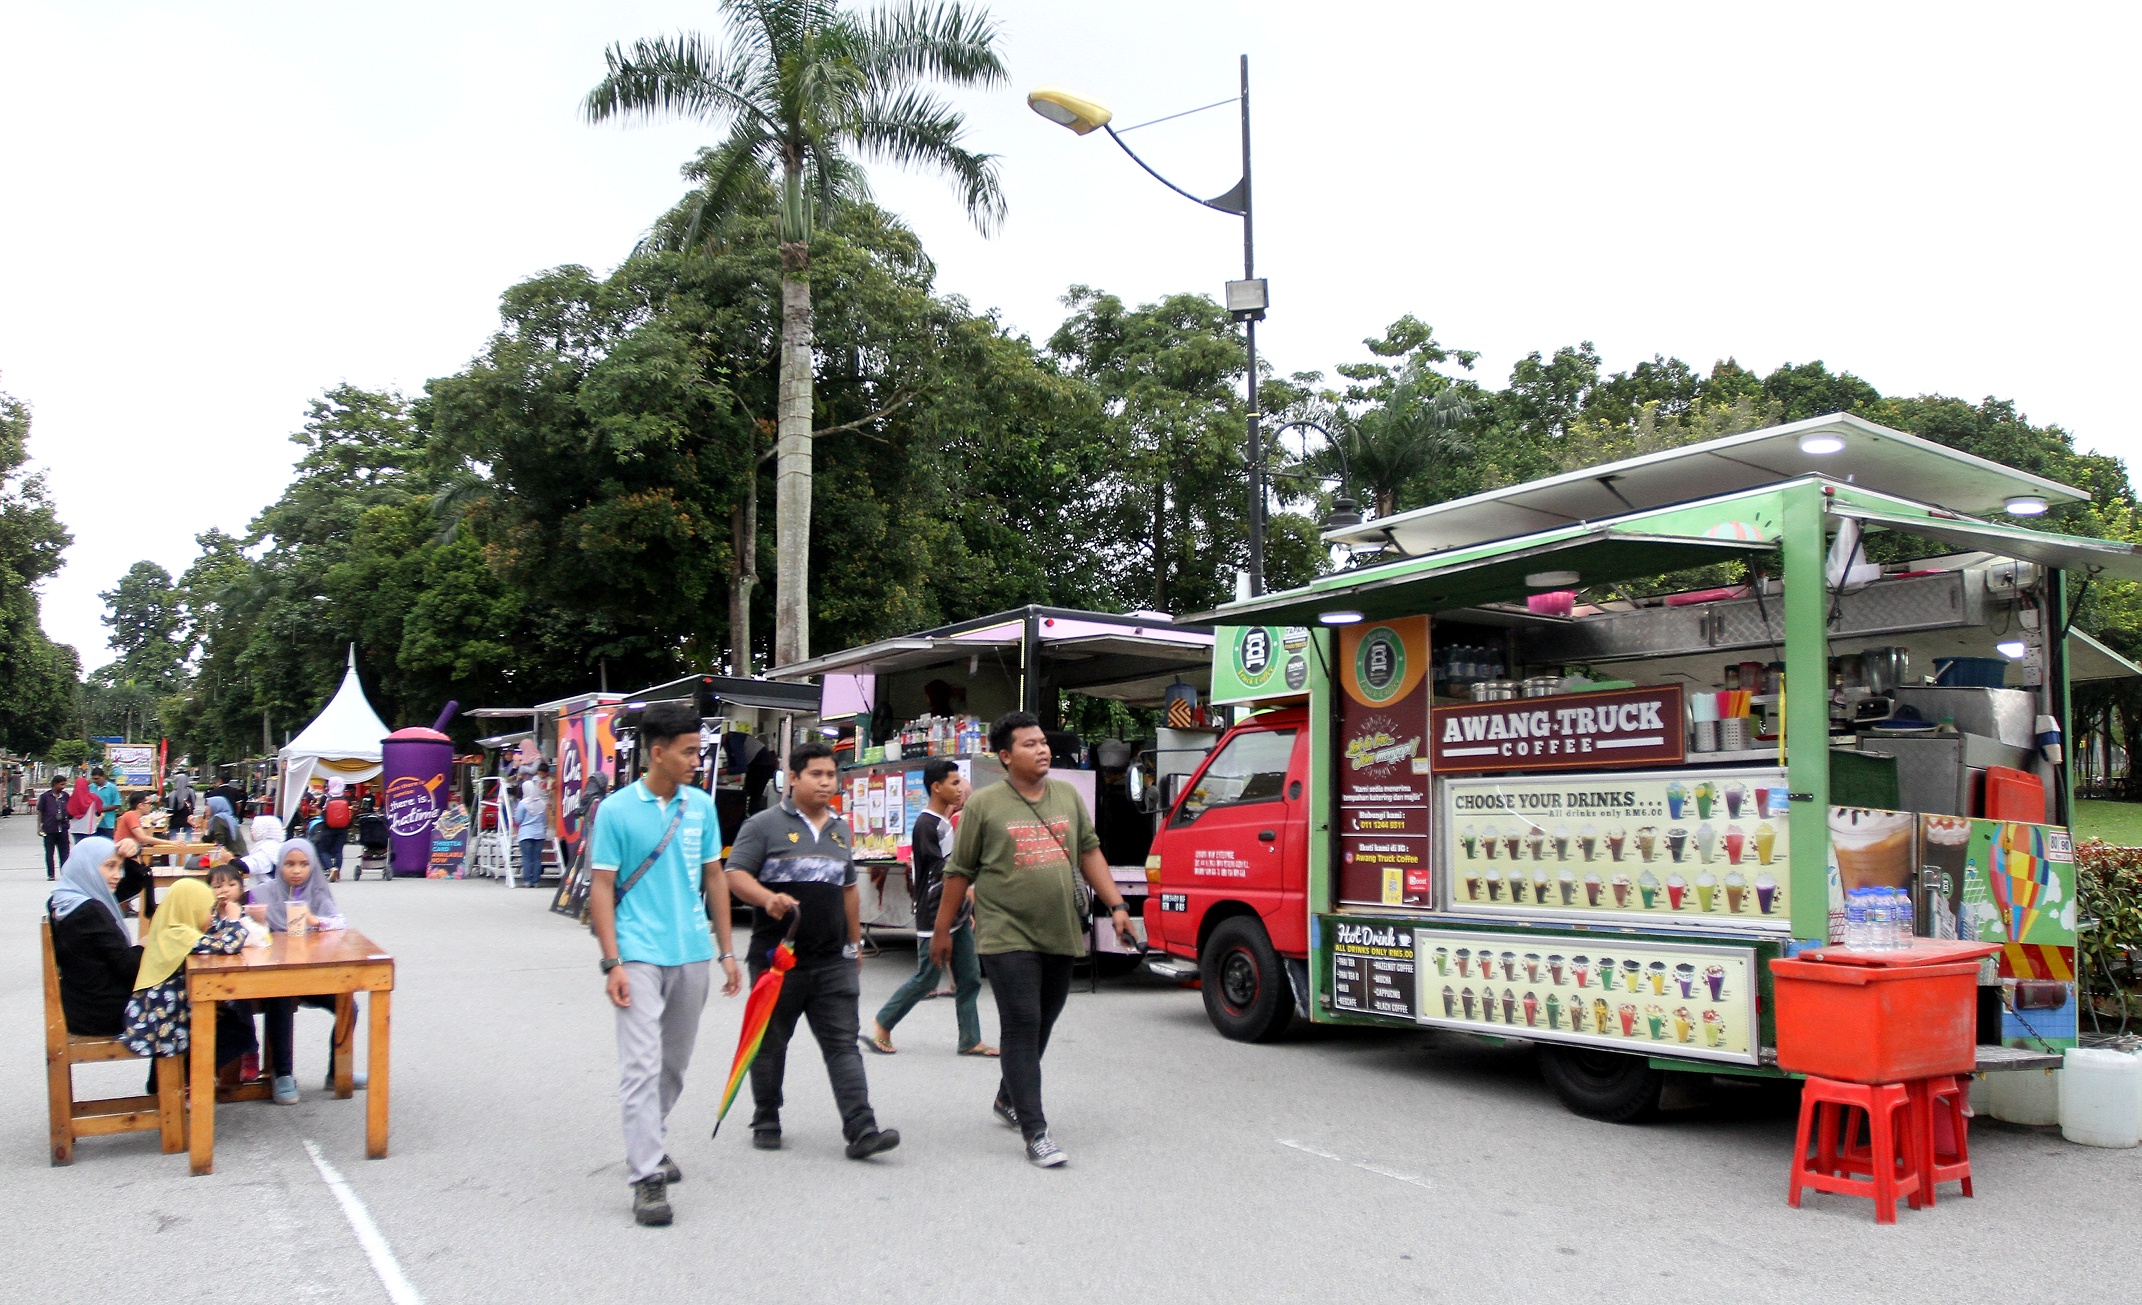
<point>1382,1170</point>
<point>399,1289</point>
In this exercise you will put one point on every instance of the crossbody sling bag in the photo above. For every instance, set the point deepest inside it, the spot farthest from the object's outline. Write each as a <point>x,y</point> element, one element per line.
<point>1081,891</point>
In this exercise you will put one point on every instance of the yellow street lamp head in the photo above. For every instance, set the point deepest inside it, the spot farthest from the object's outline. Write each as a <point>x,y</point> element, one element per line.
<point>1067,110</point>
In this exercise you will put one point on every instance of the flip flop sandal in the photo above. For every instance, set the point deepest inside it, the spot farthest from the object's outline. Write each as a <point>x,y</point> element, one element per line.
<point>883,1046</point>
<point>979,1049</point>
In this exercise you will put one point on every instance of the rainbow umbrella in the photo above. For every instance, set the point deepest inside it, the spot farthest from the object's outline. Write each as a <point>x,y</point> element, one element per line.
<point>758,1012</point>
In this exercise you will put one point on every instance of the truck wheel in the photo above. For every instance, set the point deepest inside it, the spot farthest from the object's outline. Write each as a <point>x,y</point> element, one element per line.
<point>1603,1084</point>
<point>1245,986</point>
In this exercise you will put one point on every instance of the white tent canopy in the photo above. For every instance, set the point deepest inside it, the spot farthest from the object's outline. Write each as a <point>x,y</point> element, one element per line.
<point>342,743</point>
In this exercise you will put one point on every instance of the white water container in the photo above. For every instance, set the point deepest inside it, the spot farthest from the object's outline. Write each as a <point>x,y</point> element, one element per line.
<point>2024,1096</point>
<point>2101,1098</point>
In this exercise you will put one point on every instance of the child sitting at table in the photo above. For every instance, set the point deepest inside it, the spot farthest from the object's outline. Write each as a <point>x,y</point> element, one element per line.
<point>159,1015</point>
<point>299,885</point>
<point>228,882</point>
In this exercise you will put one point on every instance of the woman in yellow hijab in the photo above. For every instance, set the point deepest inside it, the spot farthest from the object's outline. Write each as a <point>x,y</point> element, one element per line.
<point>158,1014</point>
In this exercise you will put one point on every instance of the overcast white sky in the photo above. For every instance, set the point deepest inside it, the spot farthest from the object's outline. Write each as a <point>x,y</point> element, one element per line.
<point>210,212</point>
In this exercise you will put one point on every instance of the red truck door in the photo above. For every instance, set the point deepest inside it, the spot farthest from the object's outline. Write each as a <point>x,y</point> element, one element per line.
<point>1236,835</point>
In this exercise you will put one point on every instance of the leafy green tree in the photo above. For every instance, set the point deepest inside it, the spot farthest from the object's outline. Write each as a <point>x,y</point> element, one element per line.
<point>146,616</point>
<point>37,690</point>
<point>804,88</point>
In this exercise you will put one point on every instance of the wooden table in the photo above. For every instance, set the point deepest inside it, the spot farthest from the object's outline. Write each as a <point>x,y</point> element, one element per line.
<point>340,963</point>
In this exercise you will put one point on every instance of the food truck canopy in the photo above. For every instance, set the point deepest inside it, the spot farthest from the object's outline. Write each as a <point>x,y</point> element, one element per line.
<point>1132,658</point>
<point>1872,457</point>
<point>2090,660</point>
<point>2084,556</point>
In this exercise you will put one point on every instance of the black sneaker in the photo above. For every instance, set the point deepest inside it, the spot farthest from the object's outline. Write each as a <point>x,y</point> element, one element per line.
<point>1005,1111</point>
<point>670,1172</point>
<point>1043,1153</point>
<point>650,1202</point>
<point>766,1139</point>
<point>872,1142</point>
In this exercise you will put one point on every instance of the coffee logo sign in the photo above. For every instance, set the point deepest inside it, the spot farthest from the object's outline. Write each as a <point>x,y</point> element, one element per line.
<point>1253,655</point>
<point>1620,727</point>
<point>1380,665</point>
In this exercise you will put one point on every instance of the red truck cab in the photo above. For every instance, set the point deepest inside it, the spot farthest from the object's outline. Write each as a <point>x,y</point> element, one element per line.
<point>1229,874</point>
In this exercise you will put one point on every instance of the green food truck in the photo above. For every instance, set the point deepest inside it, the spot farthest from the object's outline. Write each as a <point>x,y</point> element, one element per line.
<point>1542,769</point>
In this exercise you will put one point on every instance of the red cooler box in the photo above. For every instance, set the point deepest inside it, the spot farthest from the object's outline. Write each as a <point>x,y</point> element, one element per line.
<point>1880,1017</point>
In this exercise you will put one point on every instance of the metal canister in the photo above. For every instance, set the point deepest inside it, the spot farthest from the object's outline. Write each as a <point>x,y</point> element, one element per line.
<point>1542,686</point>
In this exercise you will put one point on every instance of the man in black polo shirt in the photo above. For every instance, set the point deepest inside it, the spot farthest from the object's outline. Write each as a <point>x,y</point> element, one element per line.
<point>796,857</point>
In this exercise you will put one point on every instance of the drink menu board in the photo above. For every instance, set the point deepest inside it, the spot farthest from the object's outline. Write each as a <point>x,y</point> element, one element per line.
<point>1372,968</point>
<point>1652,998</point>
<point>1384,852</point>
<point>1705,848</point>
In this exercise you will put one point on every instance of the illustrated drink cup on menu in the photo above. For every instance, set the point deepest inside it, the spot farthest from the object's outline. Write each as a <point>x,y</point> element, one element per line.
<point>1676,798</point>
<point>1647,841</point>
<point>1605,970</point>
<point>1472,885</point>
<point>1705,795</point>
<point>1539,885</point>
<point>1510,844</point>
<point>1764,796</point>
<point>1532,1010</point>
<point>1592,887</point>
<point>1469,838</point>
<point>1561,842</point>
<point>1632,973</point>
<point>1706,889</point>
<point>1873,848</point>
<point>1714,978</point>
<point>1488,842</point>
<point>1517,885</point>
<point>1464,958</point>
<point>1946,845</point>
<point>1656,972</point>
<point>1601,1016</point>
<point>1736,888</point>
<point>1621,890</point>
<point>1580,968</point>
<point>1615,837</point>
<point>1735,794</point>
<point>1676,843</point>
<point>1735,844</point>
<point>1588,840</point>
<point>1655,1019</point>
<point>1567,883</point>
<point>1766,841</point>
<point>1494,884</point>
<point>1555,966</point>
<point>1534,841</point>
<point>1714,1028</point>
<point>1532,967</point>
<point>1509,1006</point>
<point>1450,1003</point>
<point>1442,960</point>
<point>1576,1014</point>
<point>1647,887</point>
<point>1706,843</point>
<point>1676,891</point>
<point>1766,893</point>
<point>1466,997</point>
<point>1509,965</point>
<point>1627,1012</point>
<point>1684,975</point>
<point>1684,1024</point>
<point>1554,1011</point>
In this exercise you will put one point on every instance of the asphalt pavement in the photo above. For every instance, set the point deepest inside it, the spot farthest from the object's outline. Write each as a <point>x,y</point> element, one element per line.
<point>1335,1165</point>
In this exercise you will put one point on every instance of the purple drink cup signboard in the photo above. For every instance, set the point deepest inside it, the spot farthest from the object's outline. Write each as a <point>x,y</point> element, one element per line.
<point>416,767</point>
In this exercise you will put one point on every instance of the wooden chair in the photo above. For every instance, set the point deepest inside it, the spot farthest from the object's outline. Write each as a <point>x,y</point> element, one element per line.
<point>164,1112</point>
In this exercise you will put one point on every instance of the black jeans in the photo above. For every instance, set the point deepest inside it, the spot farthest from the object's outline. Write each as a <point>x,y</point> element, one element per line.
<point>56,848</point>
<point>1031,988</point>
<point>826,994</point>
<point>282,1027</point>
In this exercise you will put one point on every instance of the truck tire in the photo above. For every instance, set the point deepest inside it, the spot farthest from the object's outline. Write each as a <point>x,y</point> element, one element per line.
<point>1245,985</point>
<point>1604,1085</point>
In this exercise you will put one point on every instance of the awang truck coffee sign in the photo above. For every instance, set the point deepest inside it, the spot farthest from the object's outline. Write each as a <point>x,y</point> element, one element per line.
<point>1624,728</point>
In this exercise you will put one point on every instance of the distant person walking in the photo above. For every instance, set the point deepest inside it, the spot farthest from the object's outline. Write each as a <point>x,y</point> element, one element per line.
<point>52,823</point>
<point>85,810</point>
<point>932,842</point>
<point>1022,845</point>
<point>531,824</point>
<point>107,793</point>
<point>656,863</point>
<point>798,857</point>
<point>336,817</point>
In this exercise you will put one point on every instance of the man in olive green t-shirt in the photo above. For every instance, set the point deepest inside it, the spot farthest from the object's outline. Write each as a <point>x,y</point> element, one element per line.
<point>1017,844</point>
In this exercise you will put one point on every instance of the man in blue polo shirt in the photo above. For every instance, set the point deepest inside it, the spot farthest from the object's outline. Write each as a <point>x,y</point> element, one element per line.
<point>107,793</point>
<point>655,855</point>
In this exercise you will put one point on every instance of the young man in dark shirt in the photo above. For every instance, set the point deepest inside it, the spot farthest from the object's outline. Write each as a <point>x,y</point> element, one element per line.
<point>52,823</point>
<point>796,857</point>
<point>931,844</point>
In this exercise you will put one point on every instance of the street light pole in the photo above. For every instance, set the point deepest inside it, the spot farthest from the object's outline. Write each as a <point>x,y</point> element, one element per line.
<point>1249,324</point>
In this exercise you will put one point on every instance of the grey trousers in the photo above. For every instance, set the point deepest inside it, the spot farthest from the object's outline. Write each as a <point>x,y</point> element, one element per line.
<point>655,1035</point>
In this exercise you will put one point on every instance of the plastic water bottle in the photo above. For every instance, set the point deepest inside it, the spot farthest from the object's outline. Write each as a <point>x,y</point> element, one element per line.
<point>1879,921</point>
<point>1907,925</point>
<point>1855,919</point>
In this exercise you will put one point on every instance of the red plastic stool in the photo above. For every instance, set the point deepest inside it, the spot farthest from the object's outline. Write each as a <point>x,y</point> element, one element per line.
<point>1942,1106</point>
<point>1891,1161</point>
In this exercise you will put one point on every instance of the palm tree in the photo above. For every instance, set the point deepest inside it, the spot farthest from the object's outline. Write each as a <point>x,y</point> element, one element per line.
<point>1413,430</point>
<point>805,88</point>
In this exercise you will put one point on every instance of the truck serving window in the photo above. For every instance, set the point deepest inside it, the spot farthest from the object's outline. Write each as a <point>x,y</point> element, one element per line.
<point>1252,768</point>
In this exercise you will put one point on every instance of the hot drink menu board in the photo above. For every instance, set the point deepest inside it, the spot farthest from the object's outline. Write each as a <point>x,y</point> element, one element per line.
<point>1661,999</point>
<point>1384,852</point>
<point>1372,968</point>
<point>1705,848</point>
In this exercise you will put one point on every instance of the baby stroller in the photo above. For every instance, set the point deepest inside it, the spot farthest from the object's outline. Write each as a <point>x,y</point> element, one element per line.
<point>372,837</point>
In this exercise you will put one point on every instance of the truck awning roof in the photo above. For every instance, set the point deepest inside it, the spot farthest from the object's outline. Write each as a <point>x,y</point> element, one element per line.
<point>2090,660</point>
<point>1873,457</point>
<point>1599,555</point>
<point>2111,557</point>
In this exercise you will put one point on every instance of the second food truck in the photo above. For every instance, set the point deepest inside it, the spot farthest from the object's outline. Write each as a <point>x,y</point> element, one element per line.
<point>1505,779</point>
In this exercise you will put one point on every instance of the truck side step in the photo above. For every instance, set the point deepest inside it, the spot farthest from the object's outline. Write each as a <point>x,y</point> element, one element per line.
<point>1175,969</point>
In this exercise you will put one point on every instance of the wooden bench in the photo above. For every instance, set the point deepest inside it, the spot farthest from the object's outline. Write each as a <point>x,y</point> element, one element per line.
<point>71,1119</point>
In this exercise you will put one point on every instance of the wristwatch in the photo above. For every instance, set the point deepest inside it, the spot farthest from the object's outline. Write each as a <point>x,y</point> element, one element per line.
<point>1120,906</point>
<point>610,963</point>
<point>849,951</point>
